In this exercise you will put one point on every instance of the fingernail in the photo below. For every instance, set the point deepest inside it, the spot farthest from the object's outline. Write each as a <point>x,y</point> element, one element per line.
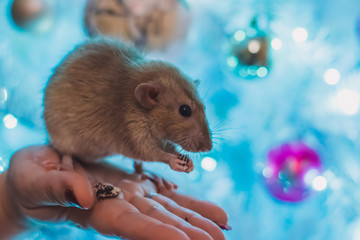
<point>225,227</point>
<point>70,197</point>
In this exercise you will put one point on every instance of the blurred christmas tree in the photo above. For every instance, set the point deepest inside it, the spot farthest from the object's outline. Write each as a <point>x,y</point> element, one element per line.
<point>294,76</point>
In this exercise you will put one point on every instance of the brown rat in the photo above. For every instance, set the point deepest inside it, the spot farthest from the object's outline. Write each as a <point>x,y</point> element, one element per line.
<point>106,99</point>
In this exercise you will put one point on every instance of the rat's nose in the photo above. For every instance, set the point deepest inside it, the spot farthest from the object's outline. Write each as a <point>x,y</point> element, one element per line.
<point>206,147</point>
<point>205,142</point>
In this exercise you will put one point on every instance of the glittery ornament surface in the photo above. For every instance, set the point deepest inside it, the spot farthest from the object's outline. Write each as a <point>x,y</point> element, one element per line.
<point>32,15</point>
<point>152,24</point>
<point>289,171</point>
<point>248,53</point>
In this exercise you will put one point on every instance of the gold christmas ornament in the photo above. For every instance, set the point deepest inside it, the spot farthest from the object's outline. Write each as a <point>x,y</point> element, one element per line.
<point>32,15</point>
<point>249,53</point>
<point>150,24</point>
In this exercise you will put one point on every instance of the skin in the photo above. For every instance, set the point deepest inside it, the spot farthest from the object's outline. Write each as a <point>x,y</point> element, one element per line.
<point>40,184</point>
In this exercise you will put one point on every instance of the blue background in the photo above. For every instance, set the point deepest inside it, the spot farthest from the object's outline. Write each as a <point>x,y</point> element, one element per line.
<point>251,115</point>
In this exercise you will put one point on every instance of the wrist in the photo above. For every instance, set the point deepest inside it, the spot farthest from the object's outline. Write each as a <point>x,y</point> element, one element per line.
<point>11,219</point>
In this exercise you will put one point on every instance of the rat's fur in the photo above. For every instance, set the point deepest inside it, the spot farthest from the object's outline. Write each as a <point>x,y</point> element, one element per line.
<point>91,110</point>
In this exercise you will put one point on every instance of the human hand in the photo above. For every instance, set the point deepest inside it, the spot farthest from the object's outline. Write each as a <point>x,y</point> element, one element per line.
<point>44,186</point>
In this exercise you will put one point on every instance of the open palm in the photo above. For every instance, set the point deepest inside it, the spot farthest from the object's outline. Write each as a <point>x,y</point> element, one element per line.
<point>45,186</point>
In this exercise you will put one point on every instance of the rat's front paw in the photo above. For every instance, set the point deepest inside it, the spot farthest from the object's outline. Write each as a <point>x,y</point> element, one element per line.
<point>181,164</point>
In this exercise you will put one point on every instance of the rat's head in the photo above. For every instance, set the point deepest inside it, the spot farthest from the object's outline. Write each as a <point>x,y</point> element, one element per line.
<point>176,113</point>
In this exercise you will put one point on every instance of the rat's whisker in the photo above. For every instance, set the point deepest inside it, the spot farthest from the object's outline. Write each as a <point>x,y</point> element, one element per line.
<point>222,138</point>
<point>218,146</point>
<point>220,124</point>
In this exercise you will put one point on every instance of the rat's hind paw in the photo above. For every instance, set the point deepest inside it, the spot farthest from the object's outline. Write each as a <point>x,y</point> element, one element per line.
<point>182,164</point>
<point>159,182</point>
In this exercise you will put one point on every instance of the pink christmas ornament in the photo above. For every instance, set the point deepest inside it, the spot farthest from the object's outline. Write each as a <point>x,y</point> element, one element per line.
<point>290,171</point>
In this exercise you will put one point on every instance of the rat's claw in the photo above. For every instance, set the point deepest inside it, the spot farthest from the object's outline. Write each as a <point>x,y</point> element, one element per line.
<point>182,164</point>
<point>159,182</point>
<point>190,166</point>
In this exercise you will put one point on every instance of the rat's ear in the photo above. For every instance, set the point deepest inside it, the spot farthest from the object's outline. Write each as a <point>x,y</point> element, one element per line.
<point>147,94</point>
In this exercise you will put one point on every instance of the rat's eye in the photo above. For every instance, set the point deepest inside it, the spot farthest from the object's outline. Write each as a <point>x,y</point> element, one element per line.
<point>185,110</point>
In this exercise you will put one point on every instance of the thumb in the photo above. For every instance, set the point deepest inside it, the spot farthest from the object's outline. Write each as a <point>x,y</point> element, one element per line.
<point>51,181</point>
<point>71,188</point>
<point>38,176</point>
<point>69,185</point>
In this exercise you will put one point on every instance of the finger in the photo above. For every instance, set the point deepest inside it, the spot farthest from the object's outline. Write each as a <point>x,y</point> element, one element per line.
<point>155,210</point>
<point>204,208</point>
<point>39,180</point>
<point>66,188</point>
<point>78,183</point>
<point>169,185</point>
<point>78,189</point>
<point>190,216</point>
<point>118,217</point>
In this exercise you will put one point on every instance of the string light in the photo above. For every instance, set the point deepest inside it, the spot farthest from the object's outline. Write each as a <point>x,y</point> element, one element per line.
<point>254,46</point>
<point>240,35</point>
<point>232,62</point>
<point>268,172</point>
<point>10,121</point>
<point>332,76</point>
<point>209,164</point>
<point>319,183</point>
<point>262,72</point>
<point>348,101</point>
<point>276,44</point>
<point>299,34</point>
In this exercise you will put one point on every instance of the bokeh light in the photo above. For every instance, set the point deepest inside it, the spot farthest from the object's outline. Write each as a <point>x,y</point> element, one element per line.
<point>239,35</point>
<point>262,72</point>
<point>332,76</point>
<point>319,183</point>
<point>209,164</point>
<point>276,44</point>
<point>232,62</point>
<point>268,172</point>
<point>348,101</point>
<point>254,46</point>
<point>10,121</point>
<point>300,34</point>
